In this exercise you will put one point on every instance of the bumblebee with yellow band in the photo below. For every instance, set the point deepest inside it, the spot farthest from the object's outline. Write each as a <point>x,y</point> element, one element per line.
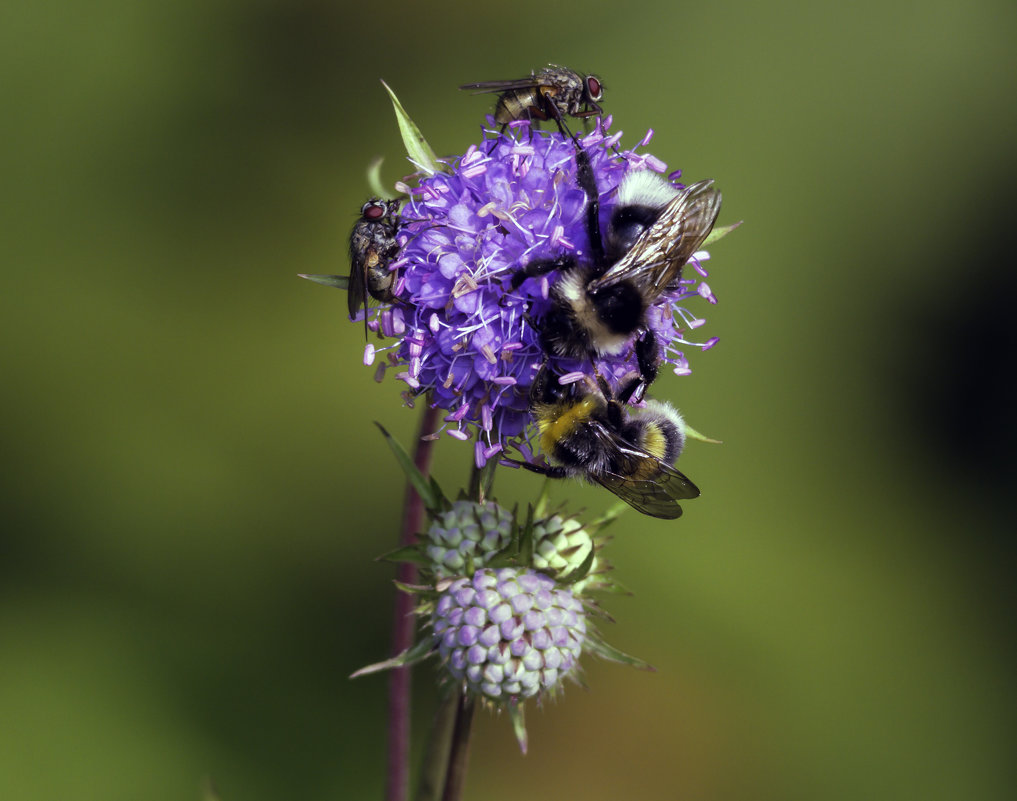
<point>589,433</point>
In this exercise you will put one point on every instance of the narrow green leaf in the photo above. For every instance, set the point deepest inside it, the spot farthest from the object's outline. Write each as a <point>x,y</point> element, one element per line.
<point>378,189</point>
<point>336,281</point>
<point>580,572</point>
<point>408,657</point>
<point>443,503</point>
<point>525,545</point>
<point>613,512</point>
<point>518,718</point>
<point>719,233</point>
<point>417,149</point>
<point>408,553</point>
<point>487,478</point>
<point>540,507</point>
<point>691,433</point>
<point>613,587</point>
<point>504,558</point>
<point>508,555</point>
<point>593,609</point>
<point>413,589</point>
<point>423,486</point>
<point>612,654</point>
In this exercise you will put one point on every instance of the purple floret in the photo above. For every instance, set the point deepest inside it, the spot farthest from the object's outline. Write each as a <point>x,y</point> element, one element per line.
<point>463,336</point>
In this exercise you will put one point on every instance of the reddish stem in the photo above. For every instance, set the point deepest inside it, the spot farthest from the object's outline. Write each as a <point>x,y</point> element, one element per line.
<point>459,755</point>
<point>397,785</point>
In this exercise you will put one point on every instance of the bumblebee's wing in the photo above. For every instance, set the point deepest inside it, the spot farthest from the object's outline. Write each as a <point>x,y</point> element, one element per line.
<point>657,257</point>
<point>502,86</point>
<point>644,482</point>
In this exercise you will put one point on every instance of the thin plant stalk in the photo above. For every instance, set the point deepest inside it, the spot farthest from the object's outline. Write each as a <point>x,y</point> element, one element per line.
<point>397,783</point>
<point>455,777</point>
<point>439,746</point>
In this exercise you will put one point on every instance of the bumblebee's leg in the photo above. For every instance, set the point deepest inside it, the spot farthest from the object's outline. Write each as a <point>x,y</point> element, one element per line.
<point>539,267</point>
<point>648,361</point>
<point>549,470</point>
<point>588,183</point>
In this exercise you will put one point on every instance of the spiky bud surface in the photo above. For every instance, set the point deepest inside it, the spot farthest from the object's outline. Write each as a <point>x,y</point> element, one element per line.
<point>508,633</point>
<point>468,531</point>
<point>560,546</point>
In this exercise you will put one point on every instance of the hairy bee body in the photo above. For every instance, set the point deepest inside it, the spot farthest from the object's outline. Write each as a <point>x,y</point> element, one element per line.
<point>599,307</point>
<point>595,437</point>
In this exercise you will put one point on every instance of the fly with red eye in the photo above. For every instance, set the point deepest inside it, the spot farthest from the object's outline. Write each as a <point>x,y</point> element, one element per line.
<point>373,248</point>
<point>552,93</point>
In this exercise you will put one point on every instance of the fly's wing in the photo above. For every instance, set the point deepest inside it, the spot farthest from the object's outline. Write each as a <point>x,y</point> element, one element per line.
<point>656,259</point>
<point>482,87</point>
<point>356,293</point>
<point>643,481</point>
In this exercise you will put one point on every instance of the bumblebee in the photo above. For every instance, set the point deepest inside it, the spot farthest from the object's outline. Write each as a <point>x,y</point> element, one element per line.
<point>548,94</point>
<point>373,247</point>
<point>591,435</point>
<point>599,306</point>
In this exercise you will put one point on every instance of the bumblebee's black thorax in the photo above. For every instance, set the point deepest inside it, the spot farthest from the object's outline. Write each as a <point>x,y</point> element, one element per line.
<point>620,307</point>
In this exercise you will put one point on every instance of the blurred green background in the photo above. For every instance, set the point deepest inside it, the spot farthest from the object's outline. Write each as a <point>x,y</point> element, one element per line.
<point>194,493</point>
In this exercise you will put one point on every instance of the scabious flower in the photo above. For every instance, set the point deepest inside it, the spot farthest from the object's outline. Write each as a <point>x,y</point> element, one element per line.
<point>561,545</point>
<point>469,532</point>
<point>508,634</point>
<point>461,334</point>
<point>507,597</point>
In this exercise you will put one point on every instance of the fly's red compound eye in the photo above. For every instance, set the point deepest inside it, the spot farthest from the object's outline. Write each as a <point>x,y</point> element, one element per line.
<point>372,211</point>
<point>594,88</point>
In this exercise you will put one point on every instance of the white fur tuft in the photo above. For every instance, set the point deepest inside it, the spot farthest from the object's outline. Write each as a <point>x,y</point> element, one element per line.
<point>646,188</point>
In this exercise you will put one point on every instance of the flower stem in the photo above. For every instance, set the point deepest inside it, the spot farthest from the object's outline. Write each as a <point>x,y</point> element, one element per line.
<point>436,755</point>
<point>455,778</point>
<point>397,784</point>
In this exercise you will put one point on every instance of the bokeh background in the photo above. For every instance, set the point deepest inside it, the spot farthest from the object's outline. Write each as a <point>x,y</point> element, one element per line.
<point>194,492</point>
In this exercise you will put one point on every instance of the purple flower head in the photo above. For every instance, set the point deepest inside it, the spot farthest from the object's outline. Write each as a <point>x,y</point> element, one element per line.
<point>463,334</point>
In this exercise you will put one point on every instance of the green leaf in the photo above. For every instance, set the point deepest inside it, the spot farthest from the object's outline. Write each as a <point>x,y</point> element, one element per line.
<point>612,654</point>
<point>518,718</point>
<point>503,558</point>
<point>413,589</point>
<point>408,657</point>
<point>487,478</point>
<point>417,149</point>
<point>426,489</point>
<point>378,189</point>
<point>613,587</point>
<point>615,511</point>
<point>443,503</point>
<point>525,544</point>
<point>408,553</point>
<point>582,571</point>
<point>336,281</point>
<point>691,433</point>
<point>719,233</point>
<point>540,507</point>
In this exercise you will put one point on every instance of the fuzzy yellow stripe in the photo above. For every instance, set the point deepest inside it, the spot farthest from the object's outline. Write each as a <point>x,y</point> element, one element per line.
<point>557,422</point>
<point>654,442</point>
